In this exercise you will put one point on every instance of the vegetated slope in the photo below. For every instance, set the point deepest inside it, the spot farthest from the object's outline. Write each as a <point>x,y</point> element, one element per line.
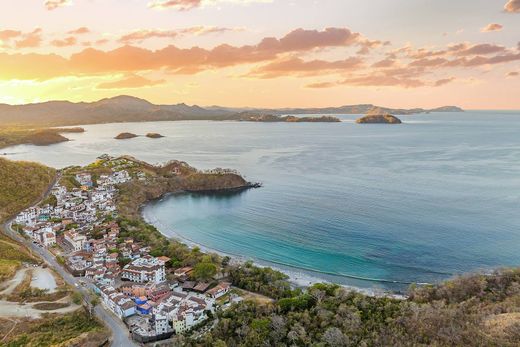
<point>22,184</point>
<point>39,137</point>
<point>475,310</point>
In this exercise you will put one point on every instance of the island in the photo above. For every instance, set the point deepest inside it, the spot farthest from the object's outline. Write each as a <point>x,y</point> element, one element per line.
<point>269,118</point>
<point>379,119</point>
<point>154,135</point>
<point>125,136</point>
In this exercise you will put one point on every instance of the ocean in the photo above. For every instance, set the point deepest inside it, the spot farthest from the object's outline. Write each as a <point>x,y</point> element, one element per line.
<point>370,206</point>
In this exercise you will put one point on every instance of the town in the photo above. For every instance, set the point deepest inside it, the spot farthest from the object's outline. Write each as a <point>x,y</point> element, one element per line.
<point>77,224</point>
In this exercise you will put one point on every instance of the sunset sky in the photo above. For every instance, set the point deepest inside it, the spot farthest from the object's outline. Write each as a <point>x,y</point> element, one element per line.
<point>263,53</point>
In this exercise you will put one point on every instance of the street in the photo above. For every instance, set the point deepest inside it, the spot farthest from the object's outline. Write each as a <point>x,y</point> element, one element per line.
<point>120,334</point>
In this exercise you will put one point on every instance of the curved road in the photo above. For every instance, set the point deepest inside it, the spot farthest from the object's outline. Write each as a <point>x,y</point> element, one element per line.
<point>120,334</point>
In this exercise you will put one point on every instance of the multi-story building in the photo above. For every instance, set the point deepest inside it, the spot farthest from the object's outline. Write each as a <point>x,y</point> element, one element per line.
<point>145,269</point>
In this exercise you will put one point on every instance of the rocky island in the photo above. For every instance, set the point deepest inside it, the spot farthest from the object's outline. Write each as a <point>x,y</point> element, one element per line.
<point>125,136</point>
<point>154,135</point>
<point>379,119</point>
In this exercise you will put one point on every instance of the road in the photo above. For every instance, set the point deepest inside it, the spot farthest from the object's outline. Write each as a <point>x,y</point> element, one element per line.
<point>120,334</point>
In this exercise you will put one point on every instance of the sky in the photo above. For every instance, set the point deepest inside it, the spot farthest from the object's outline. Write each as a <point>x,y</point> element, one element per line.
<point>263,53</point>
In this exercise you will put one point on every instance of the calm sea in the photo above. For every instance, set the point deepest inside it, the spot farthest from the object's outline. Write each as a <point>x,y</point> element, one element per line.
<point>363,205</point>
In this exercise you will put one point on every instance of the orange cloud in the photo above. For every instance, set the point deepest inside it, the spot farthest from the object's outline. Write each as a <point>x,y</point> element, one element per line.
<point>181,5</point>
<point>321,85</point>
<point>30,40</point>
<point>492,27</point>
<point>79,31</point>
<point>54,4</point>
<point>444,81</point>
<point>382,81</point>
<point>141,35</point>
<point>185,5</point>
<point>9,34</point>
<point>513,6</point>
<point>130,82</point>
<point>299,67</point>
<point>66,42</point>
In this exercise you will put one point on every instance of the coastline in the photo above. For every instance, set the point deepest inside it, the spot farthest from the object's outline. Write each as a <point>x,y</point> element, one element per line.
<point>297,277</point>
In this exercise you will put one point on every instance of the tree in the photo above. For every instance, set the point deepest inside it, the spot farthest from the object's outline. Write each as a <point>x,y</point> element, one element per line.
<point>204,271</point>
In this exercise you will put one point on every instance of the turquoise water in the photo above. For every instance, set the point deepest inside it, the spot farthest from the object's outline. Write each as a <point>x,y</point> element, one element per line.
<point>360,205</point>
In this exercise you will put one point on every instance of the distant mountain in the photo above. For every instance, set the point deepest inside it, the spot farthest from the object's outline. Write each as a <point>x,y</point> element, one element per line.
<point>347,109</point>
<point>131,109</point>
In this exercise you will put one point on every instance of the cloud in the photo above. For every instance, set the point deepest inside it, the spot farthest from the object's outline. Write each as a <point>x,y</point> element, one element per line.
<point>321,85</point>
<point>492,27</point>
<point>141,35</point>
<point>66,42</point>
<point>79,31</point>
<point>9,34</point>
<point>54,4</point>
<point>513,74</point>
<point>30,40</point>
<point>180,5</point>
<point>299,67</point>
<point>372,80</point>
<point>130,82</point>
<point>512,6</point>
<point>129,59</point>
<point>186,5</point>
<point>444,81</point>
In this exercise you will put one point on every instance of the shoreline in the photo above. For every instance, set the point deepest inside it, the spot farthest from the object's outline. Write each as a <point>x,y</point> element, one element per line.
<point>297,277</point>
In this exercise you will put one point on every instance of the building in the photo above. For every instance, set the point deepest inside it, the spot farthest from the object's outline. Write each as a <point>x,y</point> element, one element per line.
<point>145,269</point>
<point>74,239</point>
<point>221,289</point>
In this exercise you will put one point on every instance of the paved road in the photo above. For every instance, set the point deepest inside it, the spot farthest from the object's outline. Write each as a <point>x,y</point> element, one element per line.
<point>120,334</point>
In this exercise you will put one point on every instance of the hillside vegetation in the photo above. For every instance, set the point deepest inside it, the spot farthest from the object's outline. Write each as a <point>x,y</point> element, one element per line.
<point>73,329</point>
<point>23,184</point>
<point>474,310</point>
<point>12,136</point>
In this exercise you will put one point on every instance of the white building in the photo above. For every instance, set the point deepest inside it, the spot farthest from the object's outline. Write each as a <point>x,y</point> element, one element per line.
<point>74,239</point>
<point>145,269</point>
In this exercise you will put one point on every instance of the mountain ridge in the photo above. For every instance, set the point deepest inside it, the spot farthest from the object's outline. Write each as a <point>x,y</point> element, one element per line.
<point>125,108</point>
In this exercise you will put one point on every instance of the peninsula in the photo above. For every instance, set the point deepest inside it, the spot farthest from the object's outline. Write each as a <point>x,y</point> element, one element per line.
<point>38,137</point>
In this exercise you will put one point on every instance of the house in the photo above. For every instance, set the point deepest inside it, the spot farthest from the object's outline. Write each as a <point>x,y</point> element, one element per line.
<point>221,289</point>
<point>74,239</point>
<point>183,271</point>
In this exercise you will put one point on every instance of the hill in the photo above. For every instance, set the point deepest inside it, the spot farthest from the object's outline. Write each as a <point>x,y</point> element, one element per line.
<point>23,184</point>
<point>474,310</point>
<point>132,109</point>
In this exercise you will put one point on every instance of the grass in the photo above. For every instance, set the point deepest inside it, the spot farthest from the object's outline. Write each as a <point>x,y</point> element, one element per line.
<point>50,306</point>
<point>23,184</point>
<point>12,255</point>
<point>53,330</point>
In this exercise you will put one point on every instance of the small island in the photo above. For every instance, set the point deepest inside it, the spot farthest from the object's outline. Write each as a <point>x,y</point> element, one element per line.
<point>379,119</point>
<point>154,135</point>
<point>125,136</point>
